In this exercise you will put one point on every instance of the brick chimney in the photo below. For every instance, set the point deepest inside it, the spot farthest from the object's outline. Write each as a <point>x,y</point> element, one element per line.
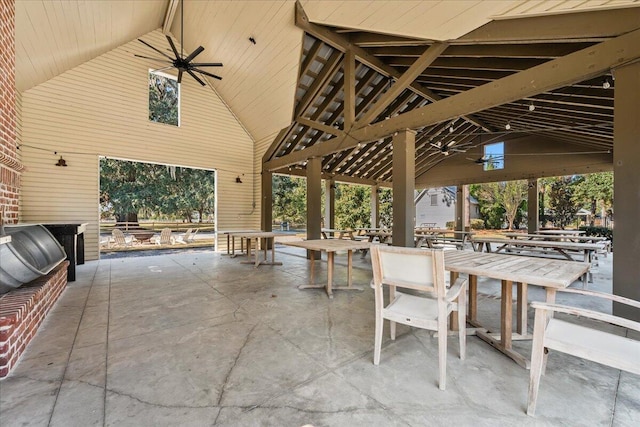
<point>10,166</point>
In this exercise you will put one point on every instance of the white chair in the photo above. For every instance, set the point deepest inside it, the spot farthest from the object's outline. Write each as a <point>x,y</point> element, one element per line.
<point>165,238</point>
<point>550,333</point>
<point>184,238</point>
<point>419,270</point>
<point>120,239</point>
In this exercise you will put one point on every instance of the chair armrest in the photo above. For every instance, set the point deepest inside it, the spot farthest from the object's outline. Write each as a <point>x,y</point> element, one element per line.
<point>612,297</point>
<point>591,314</point>
<point>460,285</point>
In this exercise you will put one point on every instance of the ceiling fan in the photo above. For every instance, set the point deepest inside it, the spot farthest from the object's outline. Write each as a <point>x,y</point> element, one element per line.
<point>492,158</point>
<point>180,62</point>
<point>447,148</point>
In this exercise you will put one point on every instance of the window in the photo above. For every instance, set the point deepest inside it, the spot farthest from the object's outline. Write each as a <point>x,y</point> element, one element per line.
<point>434,200</point>
<point>164,99</point>
<point>494,156</point>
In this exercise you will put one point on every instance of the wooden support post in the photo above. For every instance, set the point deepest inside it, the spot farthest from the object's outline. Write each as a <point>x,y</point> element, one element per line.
<point>404,165</point>
<point>314,202</point>
<point>329,203</point>
<point>375,206</point>
<point>626,205</point>
<point>462,208</point>
<point>532,206</point>
<point>266,207</point>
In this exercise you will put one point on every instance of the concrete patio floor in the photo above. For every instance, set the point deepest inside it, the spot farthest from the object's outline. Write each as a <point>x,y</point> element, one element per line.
<point>199,339</point>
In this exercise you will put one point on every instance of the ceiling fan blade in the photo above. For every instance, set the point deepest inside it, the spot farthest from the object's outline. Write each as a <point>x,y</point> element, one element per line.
<point>195,53</point>
<point>179,76</point>
<point>207,64</point>
<point>154,59</point>
<point>173,46</point>
<point>206,74</point>
<point>156,49</point>
<point>196,77</point>
<point>161,69</point>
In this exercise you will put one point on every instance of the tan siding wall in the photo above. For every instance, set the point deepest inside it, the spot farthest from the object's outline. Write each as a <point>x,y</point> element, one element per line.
<point>100,108</point>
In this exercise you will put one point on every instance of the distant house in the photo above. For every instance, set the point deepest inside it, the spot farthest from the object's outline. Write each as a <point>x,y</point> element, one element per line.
<point>438,205</point>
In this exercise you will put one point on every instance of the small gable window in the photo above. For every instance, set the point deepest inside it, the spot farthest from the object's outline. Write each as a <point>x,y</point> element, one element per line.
<point>494,156</point>
<point>164,99</point>
<point>434,200</point>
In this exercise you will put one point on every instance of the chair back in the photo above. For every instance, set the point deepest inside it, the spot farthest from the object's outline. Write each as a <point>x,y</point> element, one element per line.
<point>413,268</point>
<point>165,236</point>
<point>118,236</point>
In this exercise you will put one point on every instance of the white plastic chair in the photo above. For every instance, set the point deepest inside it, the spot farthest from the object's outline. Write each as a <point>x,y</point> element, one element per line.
<point>550,333</point>
<point>419,270</point>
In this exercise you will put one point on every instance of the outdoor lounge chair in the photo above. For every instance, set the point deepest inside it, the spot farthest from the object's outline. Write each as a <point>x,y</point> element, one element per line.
<point>119,239</point>
<point>419,270</point>
<point>184,238</point>
<point>165,237</point>
<point>581,340</point>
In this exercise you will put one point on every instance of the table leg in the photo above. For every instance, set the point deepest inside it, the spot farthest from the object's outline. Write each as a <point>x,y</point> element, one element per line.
<point>506,311</point>
<point>257,252</point>
<point>273,250</point>
<point>233,246</point>
<point>453,317</point>
<point>521,327</point>
<point>349,266</point>
<point>264,242</point>
<point>228,248</point>
<point>473,300</point>
<point>330,255</point>
<point>248,247</point>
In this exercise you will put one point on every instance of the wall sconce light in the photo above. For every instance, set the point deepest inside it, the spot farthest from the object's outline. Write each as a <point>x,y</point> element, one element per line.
<point>61,162</point>
<point>238,180</point>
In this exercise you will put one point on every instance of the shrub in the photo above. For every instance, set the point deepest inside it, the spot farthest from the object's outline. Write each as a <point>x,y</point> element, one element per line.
<point>477,224</point>
<point>450,225</point>
<point>598,231</point>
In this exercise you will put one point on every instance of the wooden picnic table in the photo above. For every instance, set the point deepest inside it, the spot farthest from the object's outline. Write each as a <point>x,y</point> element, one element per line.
<point>331,233</point>
<point>330,246</point>
<point>550,274</point>
<point>434,237</point>
<point>561,232</point>
<point>265,237</point>
<point>557,237</point>
<point>517,246</point>
<point>229,233</point>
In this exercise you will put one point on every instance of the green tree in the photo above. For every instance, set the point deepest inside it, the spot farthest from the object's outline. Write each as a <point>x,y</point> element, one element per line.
<point>163,99</point>
<point>561,201</point>
<point>386,207</point>
<point>353,207</point>
<point>289,199</point>
<point>499,201</point>
<point>594,191</point>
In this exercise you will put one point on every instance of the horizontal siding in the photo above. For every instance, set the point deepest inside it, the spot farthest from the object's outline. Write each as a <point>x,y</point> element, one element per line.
<point>100,108</point>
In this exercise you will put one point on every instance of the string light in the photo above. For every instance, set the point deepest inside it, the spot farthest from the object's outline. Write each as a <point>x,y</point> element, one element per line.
<point>532,107</point>
<point>507,126</point>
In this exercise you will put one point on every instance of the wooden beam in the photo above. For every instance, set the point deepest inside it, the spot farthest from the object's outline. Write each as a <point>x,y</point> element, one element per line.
<point>318,84</point>
<point>342,44</point>
<point>276,143</point>
<point>168,17</point>
<point>349,109</point>
<point>573,68</point>
<point>319,126</point>
<point>335,176</point>
<point>569,27</point>
<point>407,78</point>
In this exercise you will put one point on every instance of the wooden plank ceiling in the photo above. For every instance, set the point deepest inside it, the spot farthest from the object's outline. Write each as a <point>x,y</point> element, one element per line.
<point>580,114</point>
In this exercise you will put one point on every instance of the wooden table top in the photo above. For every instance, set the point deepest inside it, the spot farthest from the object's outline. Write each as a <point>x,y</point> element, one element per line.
<point>329,245</point>
<point>531,270</point>
<point>561,232</point>
<point>573,238</point>
<point>541,243</point>
<point>253,234</point>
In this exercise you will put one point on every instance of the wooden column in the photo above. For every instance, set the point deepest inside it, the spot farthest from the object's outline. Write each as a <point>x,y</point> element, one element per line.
<point>404,166</point>
<point>266,205</point>
<point>533,206</point>
<point>329,203</point>
<point>375,206</point>
<point>314,201</point>
<point>462,207</point>
<point>626,205</point>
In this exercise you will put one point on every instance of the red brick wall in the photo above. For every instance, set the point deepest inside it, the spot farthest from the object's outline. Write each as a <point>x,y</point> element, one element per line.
<point>23,310</point>
<point>10,167</point>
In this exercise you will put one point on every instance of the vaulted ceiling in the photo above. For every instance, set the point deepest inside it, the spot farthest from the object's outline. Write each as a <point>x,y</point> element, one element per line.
<point>260,81</point>
<point>393,75</point>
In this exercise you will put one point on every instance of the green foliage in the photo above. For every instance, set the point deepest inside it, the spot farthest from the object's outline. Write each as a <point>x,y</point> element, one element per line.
<point>598,231</point>
<point>353,206</point>
<point>594,191</point>
<point>128,189</point>
<point>289,199</point>
<point>163,99</point>
<point>500,201</point>
<point>386,208</point>
<point>451,225</point>
<point>477,224</point>
<point>561,201</point>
